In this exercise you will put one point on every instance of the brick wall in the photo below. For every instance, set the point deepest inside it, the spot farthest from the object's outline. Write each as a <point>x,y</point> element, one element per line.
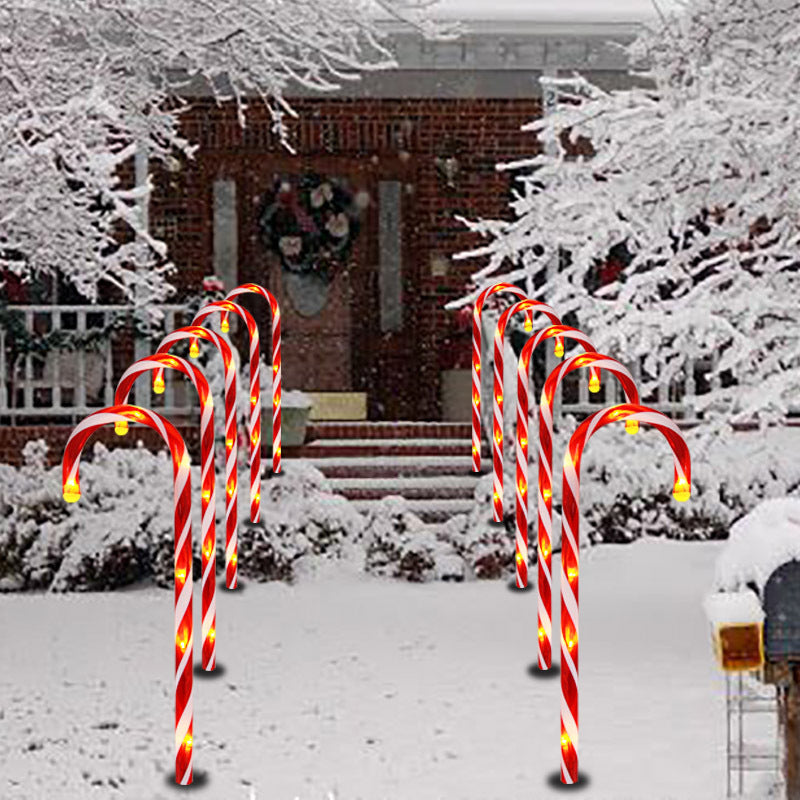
<point>366,140</point>
<point>14,439</point>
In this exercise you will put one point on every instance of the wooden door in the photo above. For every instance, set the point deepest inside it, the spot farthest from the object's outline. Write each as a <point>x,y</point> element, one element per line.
<point>322,323</point>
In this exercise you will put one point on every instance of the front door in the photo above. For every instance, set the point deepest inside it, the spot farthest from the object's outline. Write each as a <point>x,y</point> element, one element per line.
<point>324,312</point>
<point>356,332</point>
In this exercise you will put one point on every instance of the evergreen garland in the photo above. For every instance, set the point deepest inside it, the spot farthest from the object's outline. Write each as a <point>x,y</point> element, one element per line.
<point>22,342</point>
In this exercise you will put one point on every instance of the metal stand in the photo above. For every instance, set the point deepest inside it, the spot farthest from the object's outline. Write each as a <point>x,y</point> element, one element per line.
<point>746,696</point>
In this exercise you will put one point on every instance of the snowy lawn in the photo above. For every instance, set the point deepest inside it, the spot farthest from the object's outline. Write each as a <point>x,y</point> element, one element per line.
<point>346,686</point>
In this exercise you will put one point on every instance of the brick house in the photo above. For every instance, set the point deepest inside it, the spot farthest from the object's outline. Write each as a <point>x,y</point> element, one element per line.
<point>419,145</point>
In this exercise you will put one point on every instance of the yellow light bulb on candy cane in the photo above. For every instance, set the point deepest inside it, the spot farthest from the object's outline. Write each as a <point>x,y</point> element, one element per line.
<point>681,491</point>
<point>72,492</point>
<point>120,427</point>
<point>558,350</point>
<point>194,350</point>
<point>158,384</point>
<point>594,383</point>
<point>224,325</point>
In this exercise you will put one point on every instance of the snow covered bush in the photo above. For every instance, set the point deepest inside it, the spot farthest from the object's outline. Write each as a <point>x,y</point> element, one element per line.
<point>30,502</point>
<point>122,529</point>
<point>672,208</point>
<point>626,482</point>
<point>300,519</point>
<point>399,545</point>
<point>108,539</point>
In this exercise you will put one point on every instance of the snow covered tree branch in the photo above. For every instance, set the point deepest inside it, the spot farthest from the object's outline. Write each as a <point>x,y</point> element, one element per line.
<point>83,83</point>
<point>678,237</point>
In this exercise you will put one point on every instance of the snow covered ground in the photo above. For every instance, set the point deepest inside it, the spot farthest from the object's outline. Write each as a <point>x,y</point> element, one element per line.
<point>345,686</point>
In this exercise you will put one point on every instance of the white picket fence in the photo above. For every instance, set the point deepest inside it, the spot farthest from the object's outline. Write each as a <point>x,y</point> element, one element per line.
<point>68,384</point>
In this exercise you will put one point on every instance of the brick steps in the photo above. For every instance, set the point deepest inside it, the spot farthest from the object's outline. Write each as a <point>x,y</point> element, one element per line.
<point>341,448</point>
<point>396,466</point>
<point>380,430</point>
<point>445,487</point>
<point>428,510</point>
<point>428,463</point>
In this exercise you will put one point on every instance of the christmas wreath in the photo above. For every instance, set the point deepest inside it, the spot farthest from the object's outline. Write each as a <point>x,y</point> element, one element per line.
<point>310,224</point>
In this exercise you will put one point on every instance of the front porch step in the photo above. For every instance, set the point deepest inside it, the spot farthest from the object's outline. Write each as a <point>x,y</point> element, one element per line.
<point>427,510</point>
<point>332,448</point>
<point>427,463</point>
<point>398,466</point>
<point>389,430</point>
<point>444,487</point>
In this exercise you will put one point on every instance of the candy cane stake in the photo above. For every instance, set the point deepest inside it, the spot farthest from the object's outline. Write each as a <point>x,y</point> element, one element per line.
<point>276,364</point>
<point>497,401</point>
<point>521,505</point>
<point>208,536</point>
<point>225,306</point>
<point>569,553</point>
<point>595,362</point>
<point>476,362</point>
<point>184,709</point>
<point>195,332</point>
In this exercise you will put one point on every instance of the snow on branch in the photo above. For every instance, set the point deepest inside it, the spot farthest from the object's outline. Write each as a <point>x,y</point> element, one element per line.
<point>84,83</point>
<point>673,208</point>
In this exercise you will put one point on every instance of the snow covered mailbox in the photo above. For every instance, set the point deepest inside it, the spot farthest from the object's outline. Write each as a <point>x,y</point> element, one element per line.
<point>758,579</point>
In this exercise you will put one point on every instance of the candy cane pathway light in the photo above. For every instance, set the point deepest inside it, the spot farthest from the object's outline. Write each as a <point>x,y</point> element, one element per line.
<point>246,288</point>
<point>208,483</point>
<point>476,362</point>
<point>195,332</point>
<point>497,401</point>
<point>595,362</point>
<point>521,511</point>
<point>184,709</point>
<point>226,306</point>
<point>569,553</point>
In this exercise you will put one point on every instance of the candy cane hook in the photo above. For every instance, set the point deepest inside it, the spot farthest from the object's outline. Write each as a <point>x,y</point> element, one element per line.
<point>521,505</point>
<point>569,553</point>
<point>225,306</point>
<point>182,477</point>
<point>595,362</point>
<point>530,306</point>
<point>195,332</point>
<point>208,536</point>
<point>276,364</point>
<point>476,363</point>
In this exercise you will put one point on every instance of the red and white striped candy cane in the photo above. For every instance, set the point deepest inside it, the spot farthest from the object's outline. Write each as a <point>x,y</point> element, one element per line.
<point>476,364</point>
<point>276,365</point>
<point>225,306</point>
<point>521,505</point>
<point>195,332</point>
<point>208,536</point>
<point>531,306</point>
<point>184,709</point>
<point>569,553</point>
<point>595,362</point>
